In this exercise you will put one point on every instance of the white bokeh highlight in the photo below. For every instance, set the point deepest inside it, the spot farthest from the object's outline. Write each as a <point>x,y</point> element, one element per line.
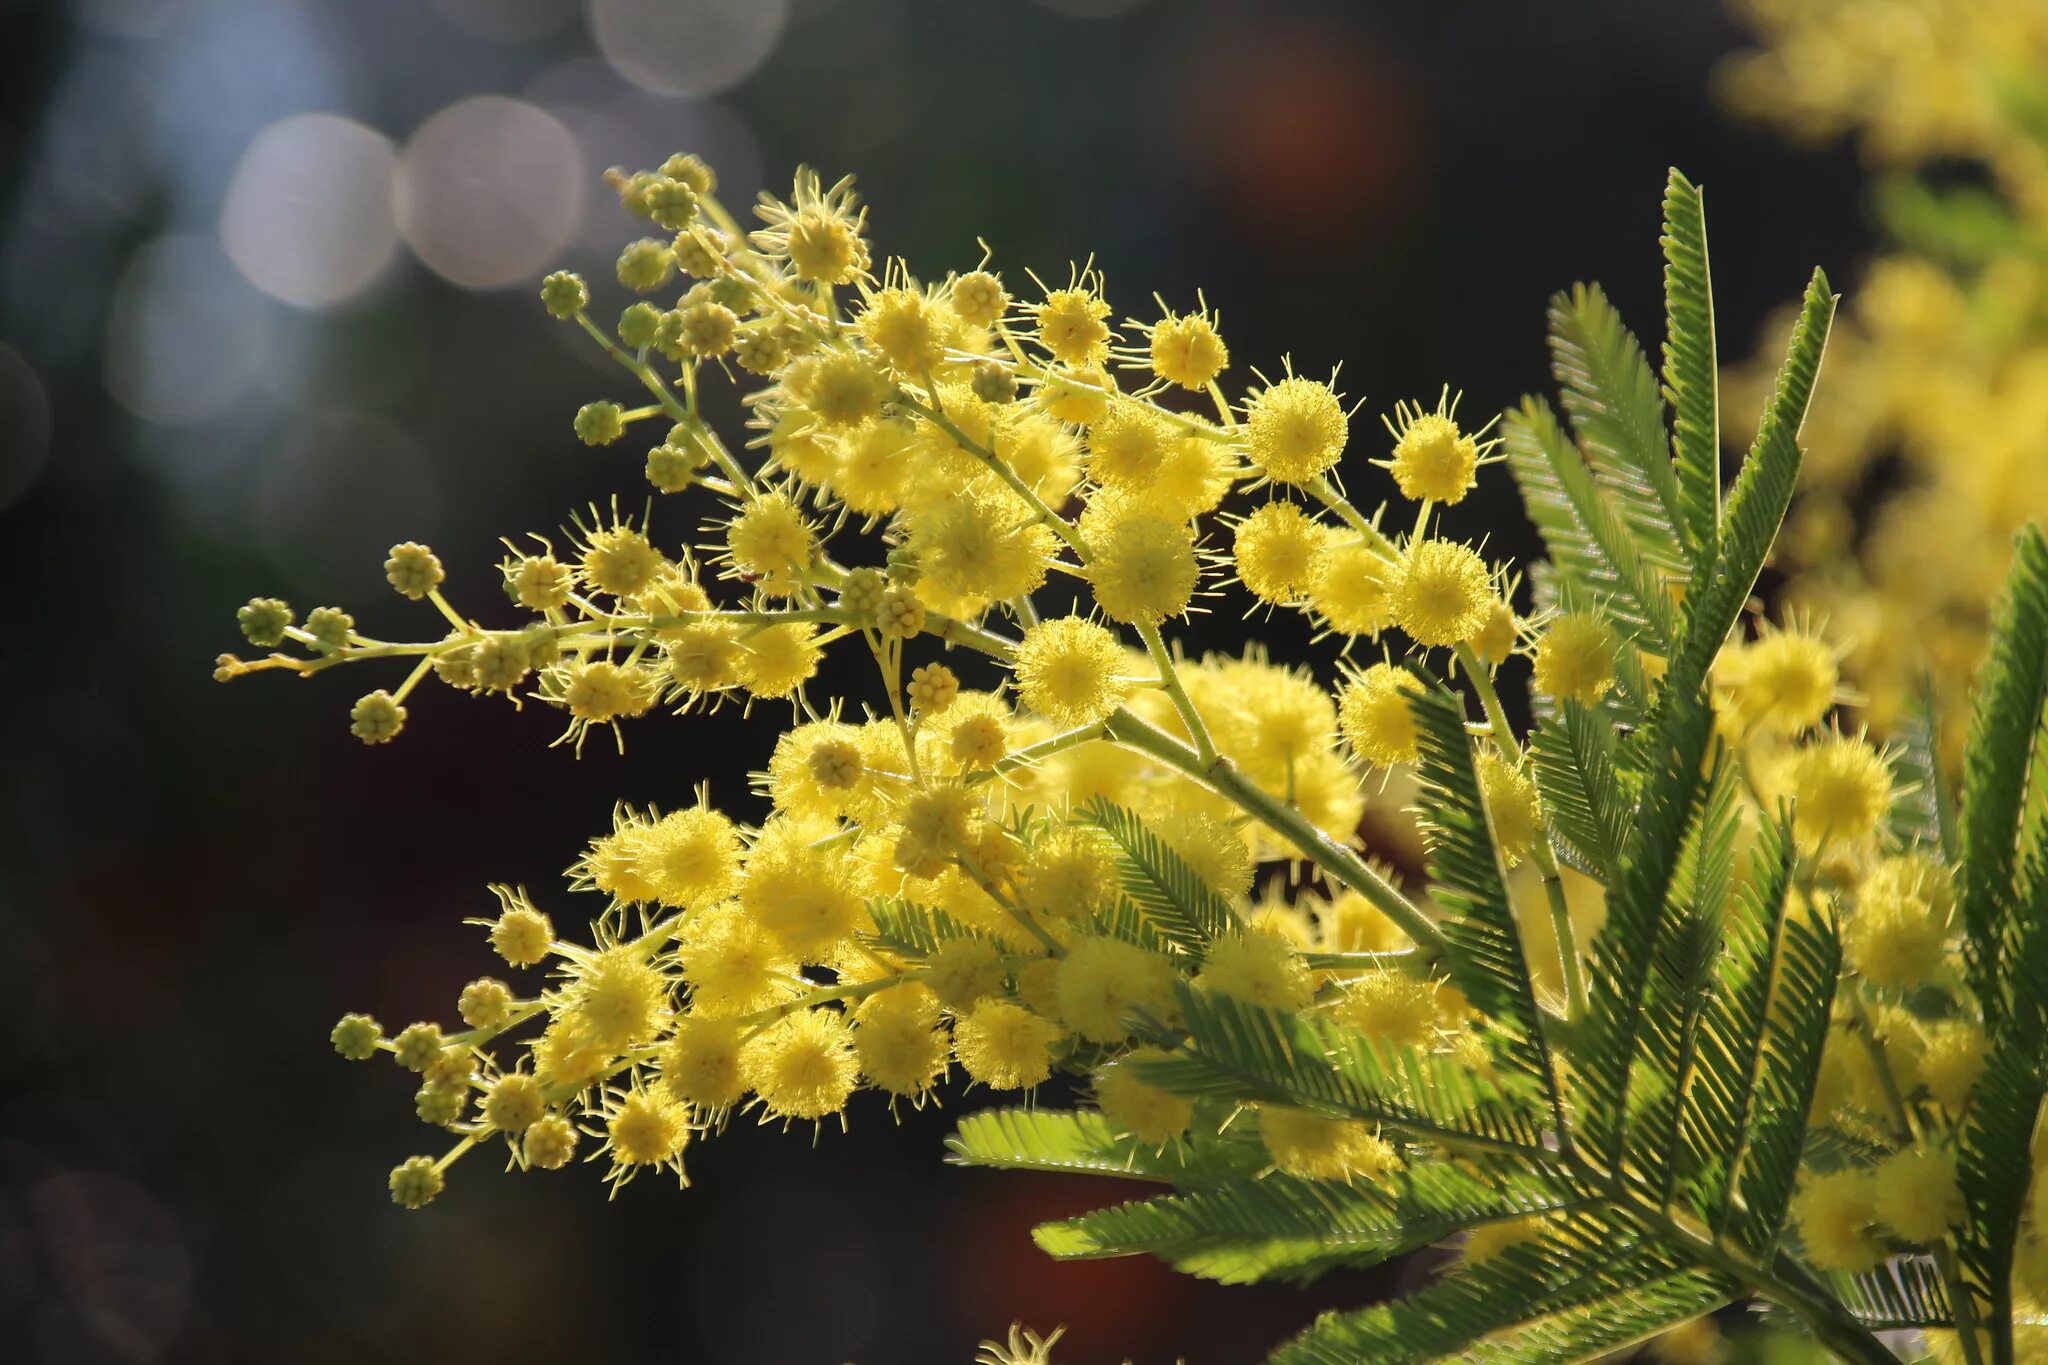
<point>308,215</point>
<point>186,334</point>
<point>687,47</point>
<point>489,191</point>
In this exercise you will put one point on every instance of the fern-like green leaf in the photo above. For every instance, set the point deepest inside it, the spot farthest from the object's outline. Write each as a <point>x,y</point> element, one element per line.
<point>1593,551</point>
<point>907,929</point>
<point>1171,894</point>
<point>1795,1029</point>
<point>2011,694</point>
<point>1232,1050</point>
<point>1083,1142</point>
<point>1245,1230</point>
<point>1577,1265</point>
<point>1470,884</point>
<point>1624,952</point>
<point>1572,756</point>
<point>1756,505</point>
<point>1719,1102</point>
<point>1608,1325</point>
<point>1691,375</point>
<point>1903,1293</point>
<point>1611,396</point>
<point>1923,813</point>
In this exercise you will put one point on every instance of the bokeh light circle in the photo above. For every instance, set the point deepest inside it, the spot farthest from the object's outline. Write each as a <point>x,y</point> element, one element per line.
<point>186,334</point>
<point>489,192</point>
<point>687,47</point>
<point>308,215</point>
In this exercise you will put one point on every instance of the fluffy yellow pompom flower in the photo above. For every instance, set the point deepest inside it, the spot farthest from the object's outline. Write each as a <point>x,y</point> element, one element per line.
<point>1318,1148</point>
<point>770,543</point>
<point>1068,671</point>
<point>645,1130</point>
<point>690,857</point>
<point>1070,323</point>
<point>1004,1046</point>
<point>1259,968</point>
<point>1495,640</point>
<point>1068,874</point>
<point>1146,1112</point>
<point>1376,716</point>
<point>1103,979</point>
<point>1511,806</point>
<point>1442,594</point>
<point>1295,430</point>
<point>906,328</point>
<point>1391,1006</point>
<point>1276,552</point>
<point>620,560</point>
<point>1351,587</point>
<point>1834,1214</point>
<point>981,542</point>
<point>1894,939</point>
<point>896,1036</point>
<point>1433,459</point>
<point>964,970</point>
<point>1127,448</point>
<point>803,1067</point>
<point>1781,683</point>
<point>616,996</point>
<point>1145,568</point>
<point>699,1065</point>
<point>1188,351</point>
<point>775,662</point>
<point>1213,848</point>
<point>1575,658</point>
<point>1953,1061</point>
<point>1841,790</point>
<point>732,964</point>
<point>805,897</point>
<point>1917,1195</point>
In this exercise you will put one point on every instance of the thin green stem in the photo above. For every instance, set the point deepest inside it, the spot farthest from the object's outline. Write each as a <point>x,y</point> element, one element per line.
<point>1340,863</point>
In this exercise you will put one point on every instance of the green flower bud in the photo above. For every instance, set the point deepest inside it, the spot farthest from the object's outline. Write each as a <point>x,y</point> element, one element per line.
<point>671,204</point>
<point>993,383</point>
<point>698,252</point>
<point>330,627</point>
<point>707,329</point>
<point>761,348</point>
<point>599,424</point>
<point>633,190</point>
<point>646,265</point>
<point>637,324</point>
<point>418,1046</point>
<point>691,170</point>
<point>413,570</point>
<point>264,621</point>
<point>486,1002</point>
<point>356,1037</point>
<point>564,294</point>
<point>671,468</point>
<point>550,1142</point>
<point>376,719</point>
<point>440,1105</point>
<point>415,1182</point>
<point>731,291</point>
<point>862,591</point>
<point>502,663</point>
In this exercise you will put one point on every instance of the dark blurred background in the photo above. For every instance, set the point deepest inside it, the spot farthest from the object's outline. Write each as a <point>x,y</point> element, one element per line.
<point>267,305</point>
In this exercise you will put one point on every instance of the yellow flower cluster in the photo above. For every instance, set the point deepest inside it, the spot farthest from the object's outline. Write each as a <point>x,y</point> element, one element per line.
<point>1937,377</point>
<point>1002,504</point>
